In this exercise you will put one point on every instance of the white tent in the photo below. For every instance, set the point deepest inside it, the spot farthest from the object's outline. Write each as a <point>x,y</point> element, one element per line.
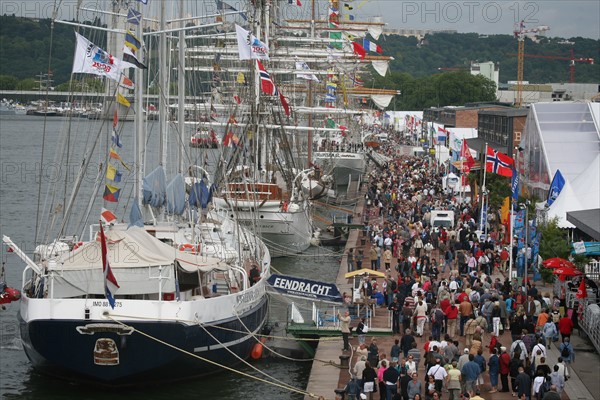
<point>587,186</point>
<point>582,194</point>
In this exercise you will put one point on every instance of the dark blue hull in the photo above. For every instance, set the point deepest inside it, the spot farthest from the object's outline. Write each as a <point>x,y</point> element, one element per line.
<point>115,359</point>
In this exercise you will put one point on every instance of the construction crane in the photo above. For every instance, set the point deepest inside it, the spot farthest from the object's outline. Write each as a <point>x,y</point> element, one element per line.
<point>572,60</point>
<point>520,33</point>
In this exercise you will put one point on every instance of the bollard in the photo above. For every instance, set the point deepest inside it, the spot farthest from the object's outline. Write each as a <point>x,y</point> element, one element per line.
<point>344,361</point>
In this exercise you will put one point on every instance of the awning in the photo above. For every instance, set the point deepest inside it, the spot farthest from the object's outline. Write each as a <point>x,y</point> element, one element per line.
<point>478,144</point>
<point>365,272</point>
<point>458,164</point>
<point>587,221</point>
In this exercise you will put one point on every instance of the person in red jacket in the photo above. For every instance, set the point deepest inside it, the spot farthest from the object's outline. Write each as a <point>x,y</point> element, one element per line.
<point>504,369</point>
<point>452,316</point>
<point>565,326</point>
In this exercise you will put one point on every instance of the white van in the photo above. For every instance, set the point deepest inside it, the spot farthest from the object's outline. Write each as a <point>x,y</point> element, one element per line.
<point>441,218</point>
<point>418,151</point>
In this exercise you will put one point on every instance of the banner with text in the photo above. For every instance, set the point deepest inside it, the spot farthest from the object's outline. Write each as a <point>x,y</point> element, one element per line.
<point>305,288</point>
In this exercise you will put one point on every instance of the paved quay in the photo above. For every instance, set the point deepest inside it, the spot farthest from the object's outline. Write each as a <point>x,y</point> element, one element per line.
<point>327,375</point>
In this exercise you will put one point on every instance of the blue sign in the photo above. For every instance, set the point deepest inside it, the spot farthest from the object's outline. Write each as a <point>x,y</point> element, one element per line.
<point>305,288</point>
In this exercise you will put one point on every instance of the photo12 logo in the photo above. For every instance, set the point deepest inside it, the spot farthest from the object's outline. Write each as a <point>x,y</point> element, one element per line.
<point>454,12</point>
<point>45,9</point>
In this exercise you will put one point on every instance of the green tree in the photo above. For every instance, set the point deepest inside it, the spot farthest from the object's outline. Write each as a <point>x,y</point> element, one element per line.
<point>8,82</point>
<point>28,84</point>
<point>555,241</point>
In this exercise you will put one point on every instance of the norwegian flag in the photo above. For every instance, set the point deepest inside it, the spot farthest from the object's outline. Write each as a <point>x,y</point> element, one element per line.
<point>498,163</point>
<point>266,82</point>
<point>110,282</point>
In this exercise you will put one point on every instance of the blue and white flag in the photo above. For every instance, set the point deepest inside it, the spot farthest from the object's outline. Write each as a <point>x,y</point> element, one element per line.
<point>558,182</point>
<point>249,46</point>
<point>134,17</point>
<point>514,185</point>
<point>483,221</point>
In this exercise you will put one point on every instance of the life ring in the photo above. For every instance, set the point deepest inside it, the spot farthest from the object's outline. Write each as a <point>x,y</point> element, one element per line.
<point>190,248</point>
<point>77,245</point>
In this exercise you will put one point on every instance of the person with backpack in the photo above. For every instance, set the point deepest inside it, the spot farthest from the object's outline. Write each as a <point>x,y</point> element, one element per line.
<point>540,386</point>
<point>567,352</point>
<point>549,332</point>
<point>437,321</point>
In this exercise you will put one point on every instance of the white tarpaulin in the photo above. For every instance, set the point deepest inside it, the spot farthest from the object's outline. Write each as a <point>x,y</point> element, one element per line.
<point>381,66</point>
<point>133,248</point>
<point>382,100</point>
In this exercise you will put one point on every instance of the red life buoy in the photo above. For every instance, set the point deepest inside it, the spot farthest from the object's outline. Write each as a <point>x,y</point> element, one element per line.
<point>257,351</point>
<point>190,248</point>
<point>77,245</point>
<point>9,295</point>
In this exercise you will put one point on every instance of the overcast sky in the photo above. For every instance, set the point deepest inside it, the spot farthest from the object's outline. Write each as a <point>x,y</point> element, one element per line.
<point>567,18</point>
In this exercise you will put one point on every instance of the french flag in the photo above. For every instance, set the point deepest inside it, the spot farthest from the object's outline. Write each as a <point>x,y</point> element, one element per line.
<point>110,282</point>
<point>370,46</point>
<point>442,134</point>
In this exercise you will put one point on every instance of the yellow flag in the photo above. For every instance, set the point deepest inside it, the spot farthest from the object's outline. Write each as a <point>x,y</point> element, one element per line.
<point>504,210</point>
<point>241,79</point>
<point>122,100</point>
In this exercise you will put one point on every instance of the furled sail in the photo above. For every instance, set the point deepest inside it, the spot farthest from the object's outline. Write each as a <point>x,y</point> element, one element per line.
<point>176,195</point>
<point>154,188</point>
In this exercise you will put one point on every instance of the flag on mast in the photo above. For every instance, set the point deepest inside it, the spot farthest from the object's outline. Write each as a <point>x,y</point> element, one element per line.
<point>498,163</point>
<point>110,282</point>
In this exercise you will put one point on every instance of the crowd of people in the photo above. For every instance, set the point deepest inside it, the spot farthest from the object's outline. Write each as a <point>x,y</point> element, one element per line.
<point>446,282</point>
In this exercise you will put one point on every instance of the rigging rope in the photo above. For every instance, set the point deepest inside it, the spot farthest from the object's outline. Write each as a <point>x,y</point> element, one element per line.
<point>230,369</point>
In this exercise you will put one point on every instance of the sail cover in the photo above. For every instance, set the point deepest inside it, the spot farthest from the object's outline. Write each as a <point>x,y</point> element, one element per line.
<point>154,188</point>
<point>138,261</point>
<point>176,195</point>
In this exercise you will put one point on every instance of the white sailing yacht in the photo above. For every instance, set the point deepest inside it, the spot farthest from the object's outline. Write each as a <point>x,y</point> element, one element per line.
<point>95,305</point>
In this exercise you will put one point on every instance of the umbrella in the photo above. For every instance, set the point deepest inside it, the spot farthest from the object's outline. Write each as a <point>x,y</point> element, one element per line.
<point>567,271</point>
<point>557,262</point>
<point>365,272</point>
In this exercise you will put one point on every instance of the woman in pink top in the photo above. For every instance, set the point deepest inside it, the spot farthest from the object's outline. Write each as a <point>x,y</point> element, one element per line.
<point>380,370</point>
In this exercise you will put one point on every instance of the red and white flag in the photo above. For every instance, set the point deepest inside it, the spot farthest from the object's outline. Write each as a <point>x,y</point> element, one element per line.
<point>107,216</point>
<point>465,154</point>
<point>266,83</point>
<point>110,282</point>
<point>498,163</point>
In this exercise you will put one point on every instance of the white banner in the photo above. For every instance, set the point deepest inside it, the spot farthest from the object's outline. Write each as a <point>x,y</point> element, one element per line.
<point>91,59</point>
<point>249,47</point>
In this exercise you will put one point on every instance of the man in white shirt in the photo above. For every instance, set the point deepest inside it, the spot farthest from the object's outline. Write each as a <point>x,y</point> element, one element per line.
<point>439,374</point>
<point>538,346</point>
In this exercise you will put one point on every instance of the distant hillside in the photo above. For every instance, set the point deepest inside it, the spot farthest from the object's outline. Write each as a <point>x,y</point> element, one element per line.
<point>25,43</point>
<point>457,50</point>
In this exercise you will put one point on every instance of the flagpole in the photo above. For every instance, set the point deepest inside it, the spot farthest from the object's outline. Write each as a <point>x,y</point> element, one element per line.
<point>483,186</point>
<point>511,221</point>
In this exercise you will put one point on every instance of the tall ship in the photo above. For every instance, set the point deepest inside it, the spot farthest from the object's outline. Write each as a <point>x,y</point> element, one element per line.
<point>178,281</point>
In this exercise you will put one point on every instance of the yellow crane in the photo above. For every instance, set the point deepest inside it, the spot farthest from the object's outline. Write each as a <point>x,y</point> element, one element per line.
<point>520,33</point>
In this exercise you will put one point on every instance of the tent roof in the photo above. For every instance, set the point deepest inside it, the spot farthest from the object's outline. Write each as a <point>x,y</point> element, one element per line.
<point>569,134</point>
<point>587,221</point>
<point>134,248</point>
<point>566,201</point>
<point>587,185</point>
